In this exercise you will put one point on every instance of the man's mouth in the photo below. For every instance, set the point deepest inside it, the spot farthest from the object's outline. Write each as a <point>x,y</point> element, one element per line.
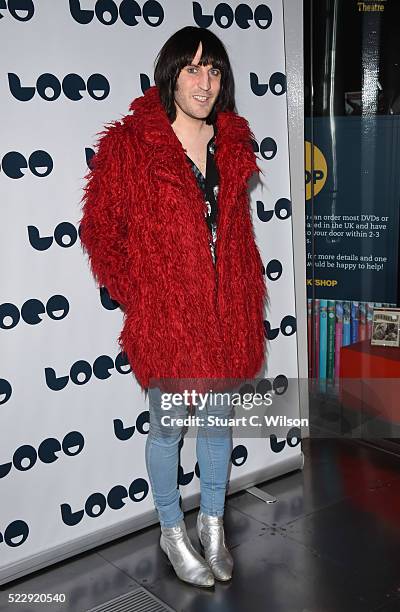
<point>201,98</point>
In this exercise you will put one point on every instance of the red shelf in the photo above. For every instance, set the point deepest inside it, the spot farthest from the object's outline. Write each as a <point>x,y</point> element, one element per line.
<point>370,379</point>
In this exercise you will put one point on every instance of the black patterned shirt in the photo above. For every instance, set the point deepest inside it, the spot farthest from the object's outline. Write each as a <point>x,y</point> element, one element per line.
<point>209,186</point>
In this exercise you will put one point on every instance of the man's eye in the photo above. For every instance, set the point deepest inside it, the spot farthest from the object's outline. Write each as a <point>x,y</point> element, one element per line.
<point>192,70</point>
<point>215,71</point>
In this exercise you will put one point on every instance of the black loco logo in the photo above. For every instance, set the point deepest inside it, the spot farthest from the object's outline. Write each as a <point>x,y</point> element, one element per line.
<point>282,210</point>
<point>81,371</point>
<point>287,327</point>
<point>97,503</point>
<point>21,10</point>
<point>277,84</point>
<point>26,456</point>
<point>225,16</point>
<point>31,311</point>
<point>14,163</point>
<point>129,11</point>
<point>49,87</point>
<point>15,534</point>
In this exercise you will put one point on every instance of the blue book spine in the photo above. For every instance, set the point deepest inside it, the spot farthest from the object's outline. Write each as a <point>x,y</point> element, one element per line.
<point>323,337</point>
<point>355,314</point>
<point>346,323</point>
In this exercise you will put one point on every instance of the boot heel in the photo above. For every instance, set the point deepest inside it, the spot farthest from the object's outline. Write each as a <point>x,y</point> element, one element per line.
<point>165,552</point>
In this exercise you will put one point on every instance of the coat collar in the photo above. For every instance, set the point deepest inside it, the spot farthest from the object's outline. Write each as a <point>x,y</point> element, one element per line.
<point>234,156</point>
<point>155,128</point>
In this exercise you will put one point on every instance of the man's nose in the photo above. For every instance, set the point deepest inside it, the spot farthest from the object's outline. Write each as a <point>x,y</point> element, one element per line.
<point>204,80</point>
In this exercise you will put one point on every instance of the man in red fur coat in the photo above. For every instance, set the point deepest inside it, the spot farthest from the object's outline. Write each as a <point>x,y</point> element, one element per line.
<point>167,227</point>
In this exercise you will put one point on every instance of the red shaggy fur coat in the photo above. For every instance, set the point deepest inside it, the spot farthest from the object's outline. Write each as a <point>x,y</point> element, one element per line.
<point>144,230</point>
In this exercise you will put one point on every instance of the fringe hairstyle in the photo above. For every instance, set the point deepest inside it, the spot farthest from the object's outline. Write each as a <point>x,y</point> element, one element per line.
<point>178,52</point>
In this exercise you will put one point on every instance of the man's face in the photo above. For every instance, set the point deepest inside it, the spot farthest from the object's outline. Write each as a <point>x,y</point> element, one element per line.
<point>197,88</point>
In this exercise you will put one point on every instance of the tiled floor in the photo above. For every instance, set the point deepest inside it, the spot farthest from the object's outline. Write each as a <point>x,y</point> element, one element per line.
<point>330,543</point>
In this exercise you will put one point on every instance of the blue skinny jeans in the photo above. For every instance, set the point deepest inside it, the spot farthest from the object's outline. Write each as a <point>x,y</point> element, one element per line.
<point>213,450</point>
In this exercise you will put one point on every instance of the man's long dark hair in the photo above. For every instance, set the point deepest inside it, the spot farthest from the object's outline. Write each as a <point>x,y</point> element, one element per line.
<point>178,52</point>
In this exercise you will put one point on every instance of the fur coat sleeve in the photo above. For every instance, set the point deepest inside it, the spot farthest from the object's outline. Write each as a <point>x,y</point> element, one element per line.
<point>104,222</point>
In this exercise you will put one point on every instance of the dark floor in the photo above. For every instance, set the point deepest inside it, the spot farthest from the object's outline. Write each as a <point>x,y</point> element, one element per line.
<point>330,543</point>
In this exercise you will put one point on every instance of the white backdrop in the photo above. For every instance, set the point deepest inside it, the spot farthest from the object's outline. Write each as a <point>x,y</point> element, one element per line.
<point>73,421</point>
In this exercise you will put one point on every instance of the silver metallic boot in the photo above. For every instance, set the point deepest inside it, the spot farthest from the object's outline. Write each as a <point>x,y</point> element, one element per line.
<point>184,558</point>
<point>210,530</point>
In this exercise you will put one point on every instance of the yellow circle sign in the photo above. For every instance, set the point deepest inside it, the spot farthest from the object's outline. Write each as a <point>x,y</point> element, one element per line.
<point>317,175</point>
